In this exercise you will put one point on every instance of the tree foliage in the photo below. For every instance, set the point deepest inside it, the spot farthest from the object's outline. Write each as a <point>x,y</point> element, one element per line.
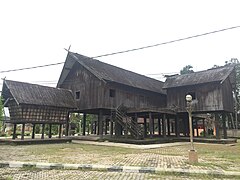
<point>186,70</point>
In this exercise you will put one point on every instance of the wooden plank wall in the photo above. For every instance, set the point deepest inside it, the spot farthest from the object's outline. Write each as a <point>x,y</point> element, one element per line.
<point>209,97</point>
<point>95,93</point>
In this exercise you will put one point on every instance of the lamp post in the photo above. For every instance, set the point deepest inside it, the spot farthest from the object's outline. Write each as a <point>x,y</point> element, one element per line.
<point>193,158</point>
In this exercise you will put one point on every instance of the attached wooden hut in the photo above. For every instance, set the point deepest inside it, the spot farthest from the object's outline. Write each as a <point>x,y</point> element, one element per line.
<point>100,88</point>
<point>36,104</point>
<point>212,92</point>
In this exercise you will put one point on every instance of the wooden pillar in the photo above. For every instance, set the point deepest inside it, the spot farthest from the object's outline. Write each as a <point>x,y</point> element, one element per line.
<point>164,125</point>
<point>177,130</point>
<point>136,122</point>
<point>111,128</point>
<point>23,131</point>
<point>67,126</point>
<point>204,128</point>
<point>33,131</point>
<point>92,127</point>
<point>84,124</point>
<point>172,127</point>
<point>145,127</point>
<point>100,123</point>
<point>95,127</point>
<point>43,128</point>
<point>196,122</point>
<point>60,131</point>
<point>150,124</point>
<point>50,131</point>
<point>106,126</point>
<point>159,124</point>
<point>14,131</point>
<point>168,126</point>
<point>224,126</point>
<point>153,125</point>
<point>185,126</point>
<point>217,126</point>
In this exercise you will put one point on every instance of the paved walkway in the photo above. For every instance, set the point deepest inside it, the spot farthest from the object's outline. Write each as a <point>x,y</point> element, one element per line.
<point>132,146</point>
<point>147,165</point>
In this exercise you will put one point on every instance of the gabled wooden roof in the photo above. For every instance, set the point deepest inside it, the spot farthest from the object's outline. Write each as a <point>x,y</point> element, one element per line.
<point>33,94</point>
<point>212,75</point>
<point>110,73</point>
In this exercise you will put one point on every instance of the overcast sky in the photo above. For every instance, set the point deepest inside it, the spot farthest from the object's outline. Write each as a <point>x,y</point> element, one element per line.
<point>36,32</point>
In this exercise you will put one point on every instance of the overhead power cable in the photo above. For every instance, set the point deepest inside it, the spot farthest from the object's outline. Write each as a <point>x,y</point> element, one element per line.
<point>130,50</point>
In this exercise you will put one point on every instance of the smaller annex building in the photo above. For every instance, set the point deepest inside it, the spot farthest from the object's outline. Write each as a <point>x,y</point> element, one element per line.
<point>35,104</point>
<point>212,91</point>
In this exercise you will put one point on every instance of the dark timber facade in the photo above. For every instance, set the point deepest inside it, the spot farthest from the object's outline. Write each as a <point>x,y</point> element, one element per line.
<point>119,97</point>
<point>212,91</point>
<point>34,104</point>
<point>125,103</point>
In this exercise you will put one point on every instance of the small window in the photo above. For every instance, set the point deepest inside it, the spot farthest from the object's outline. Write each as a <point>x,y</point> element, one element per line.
<point>112,93</point>
<point>77,94</point>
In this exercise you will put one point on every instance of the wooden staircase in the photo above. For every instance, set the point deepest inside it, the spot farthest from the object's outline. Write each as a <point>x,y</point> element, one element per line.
<point>127,123</point>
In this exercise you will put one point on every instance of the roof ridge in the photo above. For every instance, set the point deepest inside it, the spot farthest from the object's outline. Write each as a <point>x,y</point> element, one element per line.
<point>93,59</point>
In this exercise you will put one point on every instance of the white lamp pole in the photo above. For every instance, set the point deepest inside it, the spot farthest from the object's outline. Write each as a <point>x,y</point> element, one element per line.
<point>189,110</point>
<point>193,158</point>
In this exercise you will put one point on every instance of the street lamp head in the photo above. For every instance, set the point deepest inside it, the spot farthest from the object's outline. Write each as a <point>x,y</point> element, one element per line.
<point>188,98</point>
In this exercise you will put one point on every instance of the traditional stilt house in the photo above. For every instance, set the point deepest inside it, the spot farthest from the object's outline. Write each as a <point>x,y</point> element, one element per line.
<point>119,97</point>
<point>212,92</point>
<point>35,104</point>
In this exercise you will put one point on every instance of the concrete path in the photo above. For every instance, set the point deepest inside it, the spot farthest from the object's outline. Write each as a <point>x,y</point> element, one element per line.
<point>109,168</point>
<point>132,146</point>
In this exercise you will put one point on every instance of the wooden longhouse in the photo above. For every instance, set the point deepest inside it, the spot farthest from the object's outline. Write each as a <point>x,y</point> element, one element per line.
<point>36,104</point>
<point>119,97</point>
<point>212,91</point>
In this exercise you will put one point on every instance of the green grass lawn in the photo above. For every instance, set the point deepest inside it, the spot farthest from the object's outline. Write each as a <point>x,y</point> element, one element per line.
<point>226,157</point>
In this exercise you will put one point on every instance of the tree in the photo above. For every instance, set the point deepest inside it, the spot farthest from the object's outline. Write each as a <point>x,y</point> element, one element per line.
<point>186,70</point>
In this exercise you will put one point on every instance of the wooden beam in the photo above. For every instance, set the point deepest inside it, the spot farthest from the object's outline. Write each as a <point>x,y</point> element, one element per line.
<point>60,131</point>
<point>23,131</point>
<point>196,125</point>
<point>217,126</point>
<point>84,124</point>
<point>224,125</point>
<point>100,123</point>
<point>33,131</point>
<point>14,131</point>
<point>204,128</point>
<point>111,127</point>
<point>43,128</point>
<point>145,127</point>
<point>50,131</point>
<point>106,126</point>
<point>177,132</point>
<point>164,125</point>
<point>168,126</point>
<point>150,124</point>
<point>159,124</point>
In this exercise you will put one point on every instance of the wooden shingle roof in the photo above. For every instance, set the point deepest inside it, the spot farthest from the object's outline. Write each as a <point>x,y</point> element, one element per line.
<point>201,77</point>
<point>110,73</point>
<point>33,94</point>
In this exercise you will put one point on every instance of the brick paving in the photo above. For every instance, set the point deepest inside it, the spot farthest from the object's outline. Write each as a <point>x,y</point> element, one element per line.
<point>19,174</point>
<point>165,158</point>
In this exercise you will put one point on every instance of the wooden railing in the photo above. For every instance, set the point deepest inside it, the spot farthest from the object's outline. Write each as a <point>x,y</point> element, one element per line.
<point>127,123</point>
